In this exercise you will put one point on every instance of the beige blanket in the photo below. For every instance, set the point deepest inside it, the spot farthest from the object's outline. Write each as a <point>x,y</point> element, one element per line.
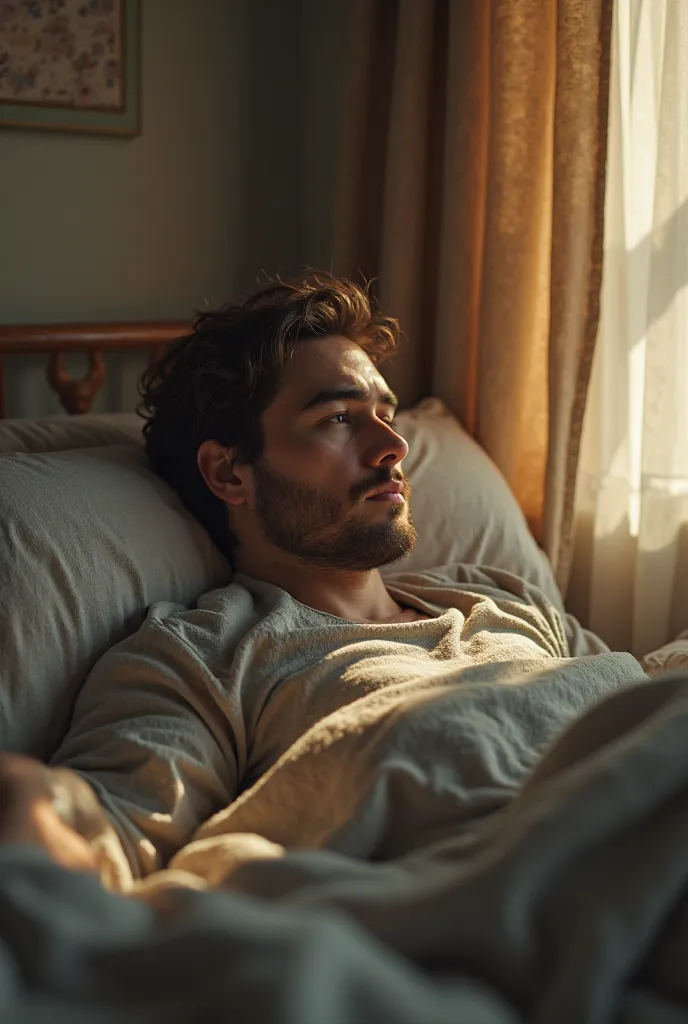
<point>404,853</point>
<point>567,906</point>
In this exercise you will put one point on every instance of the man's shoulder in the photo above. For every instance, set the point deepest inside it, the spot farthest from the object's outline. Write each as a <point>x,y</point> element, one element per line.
<point>210,629</point>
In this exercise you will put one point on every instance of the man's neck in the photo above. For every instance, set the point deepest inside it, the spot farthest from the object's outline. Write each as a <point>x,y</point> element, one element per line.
<point>357,596</point>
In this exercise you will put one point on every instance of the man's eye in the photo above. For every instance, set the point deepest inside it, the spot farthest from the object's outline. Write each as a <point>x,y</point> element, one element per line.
<point>343,417</point>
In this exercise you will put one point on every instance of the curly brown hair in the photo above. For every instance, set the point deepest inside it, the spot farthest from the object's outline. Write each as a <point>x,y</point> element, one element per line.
<point>217,382</point>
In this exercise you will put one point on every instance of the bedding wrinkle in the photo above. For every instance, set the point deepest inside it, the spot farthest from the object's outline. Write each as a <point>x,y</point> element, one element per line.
<point>451,819</point>
<point>253,714</point>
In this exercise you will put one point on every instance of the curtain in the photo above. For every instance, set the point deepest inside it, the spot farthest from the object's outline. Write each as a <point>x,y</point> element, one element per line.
<point>471,190</point>
<point>631,574</point>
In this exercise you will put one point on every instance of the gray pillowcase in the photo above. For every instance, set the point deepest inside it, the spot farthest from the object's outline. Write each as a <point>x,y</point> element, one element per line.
<point>88,540</point>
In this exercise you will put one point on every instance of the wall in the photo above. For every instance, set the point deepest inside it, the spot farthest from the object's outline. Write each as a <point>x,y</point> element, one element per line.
<point>324,43</point>
<point>232,176</point>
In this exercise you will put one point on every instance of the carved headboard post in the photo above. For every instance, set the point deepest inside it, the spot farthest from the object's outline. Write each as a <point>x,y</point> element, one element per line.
<point>77,394</point>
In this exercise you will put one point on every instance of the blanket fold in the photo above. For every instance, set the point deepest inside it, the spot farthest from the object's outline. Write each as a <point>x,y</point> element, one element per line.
<point>568,905</point>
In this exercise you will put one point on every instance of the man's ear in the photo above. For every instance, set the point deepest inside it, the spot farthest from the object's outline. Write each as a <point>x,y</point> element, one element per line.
<point>217,465</point>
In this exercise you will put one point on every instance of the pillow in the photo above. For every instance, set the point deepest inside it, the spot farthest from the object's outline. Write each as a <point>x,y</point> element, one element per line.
<point>88,540</point>
<point>463,508</point>
<point>61,433</point>
<point>462,505</point>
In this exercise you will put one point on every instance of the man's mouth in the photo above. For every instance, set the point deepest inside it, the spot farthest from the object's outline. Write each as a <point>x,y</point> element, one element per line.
<point>396,497</point>
<point>392,491</point>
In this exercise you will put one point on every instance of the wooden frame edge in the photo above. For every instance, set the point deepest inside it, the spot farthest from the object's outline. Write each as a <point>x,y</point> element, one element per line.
<point>76,396</point>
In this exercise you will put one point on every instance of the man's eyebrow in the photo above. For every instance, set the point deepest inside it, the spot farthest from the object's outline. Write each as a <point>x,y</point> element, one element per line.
<point>350,391</point>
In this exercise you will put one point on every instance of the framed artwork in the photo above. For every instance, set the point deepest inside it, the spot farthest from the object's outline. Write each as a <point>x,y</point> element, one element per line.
<point>70,65</point>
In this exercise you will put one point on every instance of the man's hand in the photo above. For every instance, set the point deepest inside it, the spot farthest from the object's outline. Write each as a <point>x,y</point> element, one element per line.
<point>29,802</point>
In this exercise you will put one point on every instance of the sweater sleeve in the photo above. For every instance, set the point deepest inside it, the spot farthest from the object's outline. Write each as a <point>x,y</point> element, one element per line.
<point>159,742</point>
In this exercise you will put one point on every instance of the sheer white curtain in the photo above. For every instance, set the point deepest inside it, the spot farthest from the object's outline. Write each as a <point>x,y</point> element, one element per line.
<point>630,579</point>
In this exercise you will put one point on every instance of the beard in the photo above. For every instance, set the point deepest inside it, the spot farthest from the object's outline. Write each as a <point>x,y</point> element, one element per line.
<point>305,521</point>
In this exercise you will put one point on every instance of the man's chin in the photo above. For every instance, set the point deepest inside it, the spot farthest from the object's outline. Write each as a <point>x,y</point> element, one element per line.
<point>387,545</point>
<point>364,550</point>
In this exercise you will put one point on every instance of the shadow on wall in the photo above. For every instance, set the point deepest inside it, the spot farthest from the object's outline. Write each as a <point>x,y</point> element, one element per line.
<point>269,222</point>
<point>296,53</point>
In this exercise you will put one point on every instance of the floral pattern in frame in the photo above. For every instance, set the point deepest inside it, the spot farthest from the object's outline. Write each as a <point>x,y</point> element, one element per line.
<point>70,65</point>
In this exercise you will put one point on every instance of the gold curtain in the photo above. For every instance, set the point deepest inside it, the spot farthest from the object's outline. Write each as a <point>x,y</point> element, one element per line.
<point>471,188</point>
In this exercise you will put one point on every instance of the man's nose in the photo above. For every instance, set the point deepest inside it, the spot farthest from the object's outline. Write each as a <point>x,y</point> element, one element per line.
<point>388,447</point>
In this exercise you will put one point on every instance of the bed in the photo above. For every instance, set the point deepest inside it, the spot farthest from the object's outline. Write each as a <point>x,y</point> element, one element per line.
<point>568,905</point>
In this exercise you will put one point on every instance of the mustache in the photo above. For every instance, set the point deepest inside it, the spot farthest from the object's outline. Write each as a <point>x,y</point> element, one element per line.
<point>380,481</point>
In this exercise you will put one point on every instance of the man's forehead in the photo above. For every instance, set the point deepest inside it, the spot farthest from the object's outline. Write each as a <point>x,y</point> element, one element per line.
<point>329,363</point>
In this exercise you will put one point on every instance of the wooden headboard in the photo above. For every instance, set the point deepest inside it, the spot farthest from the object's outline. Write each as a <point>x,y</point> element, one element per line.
<point>53,340</point>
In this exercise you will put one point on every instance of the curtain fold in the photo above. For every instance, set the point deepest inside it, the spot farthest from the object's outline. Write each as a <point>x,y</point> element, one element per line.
<point>470,190</point>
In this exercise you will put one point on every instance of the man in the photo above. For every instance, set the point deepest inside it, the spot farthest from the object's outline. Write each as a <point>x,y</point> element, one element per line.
<point>275,425</point>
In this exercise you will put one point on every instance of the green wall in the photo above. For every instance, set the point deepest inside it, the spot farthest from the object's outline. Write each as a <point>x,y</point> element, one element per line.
<point>232,176</point>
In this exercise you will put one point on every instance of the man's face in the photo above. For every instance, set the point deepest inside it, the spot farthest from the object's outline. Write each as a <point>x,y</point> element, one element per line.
<point>330,443</point>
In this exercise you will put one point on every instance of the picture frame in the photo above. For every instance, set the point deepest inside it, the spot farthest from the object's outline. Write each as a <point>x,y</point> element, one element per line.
<point>70,65</point>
